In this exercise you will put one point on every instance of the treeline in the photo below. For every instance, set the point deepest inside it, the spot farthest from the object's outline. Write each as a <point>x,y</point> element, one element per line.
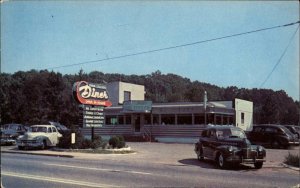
<point>40,96</point>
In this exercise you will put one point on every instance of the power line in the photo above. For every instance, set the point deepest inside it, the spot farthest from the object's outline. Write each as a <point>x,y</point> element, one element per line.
<point>279,60</point>
<point>173,47</point>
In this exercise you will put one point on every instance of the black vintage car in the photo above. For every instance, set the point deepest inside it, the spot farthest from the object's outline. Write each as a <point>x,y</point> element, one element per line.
<point>228,145</point>
<point>274,136</point>
<point>293,129</point>
<point>10,132</point>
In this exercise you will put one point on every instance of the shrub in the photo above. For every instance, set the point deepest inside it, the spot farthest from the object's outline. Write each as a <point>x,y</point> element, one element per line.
<point>80,142</point>
<point>117,142</point>
<point>65,140</point>
<point>121,142</point>
<point>292,160</point>
<point>96,143</point>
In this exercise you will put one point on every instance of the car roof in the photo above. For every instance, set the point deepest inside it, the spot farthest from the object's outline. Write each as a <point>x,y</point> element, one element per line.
<point>12,124</point>
<point>222,127</point>
<point>266,125</point>
<point>289,125</point>
<point>42,126</point>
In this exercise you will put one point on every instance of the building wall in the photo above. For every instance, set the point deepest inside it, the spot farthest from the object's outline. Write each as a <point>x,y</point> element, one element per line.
<point>244,114</point>
<point>116,92</point>
<point>113,92</point>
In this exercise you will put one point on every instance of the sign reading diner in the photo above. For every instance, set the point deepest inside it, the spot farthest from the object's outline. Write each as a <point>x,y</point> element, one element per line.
<point>91,94</point>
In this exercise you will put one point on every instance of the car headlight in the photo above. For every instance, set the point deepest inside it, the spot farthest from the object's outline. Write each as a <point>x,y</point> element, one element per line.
<point>20,137</point>
<point>231,148</point>
<point>260,148</point>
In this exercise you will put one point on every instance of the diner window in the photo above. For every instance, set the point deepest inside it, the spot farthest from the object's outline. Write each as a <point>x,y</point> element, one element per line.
<point>127,119</point>
<point>168,119</point>
<point>121,120</point>
<point>219,120</point>
<point>111,120</point>
<point>155,119</point>
<point>199,119</point>
<point>230,120</point>
<point>147,119</point>
<point>210,119</point>
<point>184,119</point>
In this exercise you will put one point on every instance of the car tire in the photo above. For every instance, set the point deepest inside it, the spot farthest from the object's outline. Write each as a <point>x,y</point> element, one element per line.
<point>44,146</point>
<point>200,154</point>
<point>221,161</point>
<point>258,165</point>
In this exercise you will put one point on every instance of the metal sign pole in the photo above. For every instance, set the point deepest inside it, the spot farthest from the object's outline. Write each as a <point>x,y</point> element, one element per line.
<point>92,134</point>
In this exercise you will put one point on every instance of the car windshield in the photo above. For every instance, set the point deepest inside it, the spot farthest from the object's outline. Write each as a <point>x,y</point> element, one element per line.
<point>287,131</point>
<point>292,129</point>
<point>39,129</point>
<point>230,133</point>
<point>11,126</point>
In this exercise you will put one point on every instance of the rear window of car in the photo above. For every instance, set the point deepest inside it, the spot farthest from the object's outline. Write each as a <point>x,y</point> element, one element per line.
<point>230,133</point>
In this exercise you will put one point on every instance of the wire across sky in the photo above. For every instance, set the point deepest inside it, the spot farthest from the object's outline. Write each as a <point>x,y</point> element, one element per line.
<point>180,46</point>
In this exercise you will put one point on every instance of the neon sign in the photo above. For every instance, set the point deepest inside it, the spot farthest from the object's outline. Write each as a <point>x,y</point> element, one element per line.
<point>91,94</point>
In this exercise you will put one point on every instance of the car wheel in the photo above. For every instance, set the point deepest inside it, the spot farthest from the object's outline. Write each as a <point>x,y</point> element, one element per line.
<point>200,154</point>
<point>44,146</point>
<point>221,161</point>
<point>258,165</point>
<point>275,144</point>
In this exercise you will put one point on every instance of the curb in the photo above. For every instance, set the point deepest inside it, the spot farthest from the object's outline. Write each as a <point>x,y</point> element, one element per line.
<point>43,154</point>
<point>290,167</point>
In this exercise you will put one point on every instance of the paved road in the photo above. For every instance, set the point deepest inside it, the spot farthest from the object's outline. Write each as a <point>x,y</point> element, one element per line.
<point>154,165</point>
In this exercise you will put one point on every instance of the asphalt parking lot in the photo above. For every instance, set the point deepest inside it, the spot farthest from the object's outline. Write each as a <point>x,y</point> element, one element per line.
<point>167,153</point>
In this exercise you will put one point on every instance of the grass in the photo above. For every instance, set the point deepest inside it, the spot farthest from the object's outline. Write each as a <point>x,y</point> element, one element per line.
<point>292,160</point>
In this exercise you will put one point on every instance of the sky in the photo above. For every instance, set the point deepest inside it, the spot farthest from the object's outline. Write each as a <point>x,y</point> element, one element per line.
<point>51,34</point>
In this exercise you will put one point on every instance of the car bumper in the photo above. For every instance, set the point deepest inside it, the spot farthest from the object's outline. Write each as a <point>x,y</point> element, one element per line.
<point>32,144</point>
<point>238,159</point>
<point>8,142</point>
<point>246,156</point>
<point>296,143</point>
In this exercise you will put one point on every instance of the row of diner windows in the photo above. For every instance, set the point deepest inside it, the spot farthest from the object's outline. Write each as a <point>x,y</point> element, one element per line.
<point>170,119</point>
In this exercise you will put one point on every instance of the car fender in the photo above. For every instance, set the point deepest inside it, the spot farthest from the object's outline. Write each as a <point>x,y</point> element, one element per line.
<point>42,138</point>
<point>221,149</point>
<point>197,146</point>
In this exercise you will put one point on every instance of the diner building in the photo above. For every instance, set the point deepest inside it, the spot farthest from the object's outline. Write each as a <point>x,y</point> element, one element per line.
<point>132,115</point>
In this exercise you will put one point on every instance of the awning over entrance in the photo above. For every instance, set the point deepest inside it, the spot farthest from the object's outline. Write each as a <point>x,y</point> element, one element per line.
<point>135,106</point>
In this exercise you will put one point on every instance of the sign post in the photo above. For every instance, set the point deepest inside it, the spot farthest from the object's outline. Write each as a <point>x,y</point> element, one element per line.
<point>92,98</point>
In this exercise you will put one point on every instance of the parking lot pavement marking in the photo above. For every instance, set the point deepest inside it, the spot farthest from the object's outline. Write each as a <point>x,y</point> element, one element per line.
<point>98,169</point>
<point>56,180</point>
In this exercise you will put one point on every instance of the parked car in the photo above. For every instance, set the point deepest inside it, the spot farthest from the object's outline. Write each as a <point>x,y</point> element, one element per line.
<point>274,136</point>
<point>294,129</point>
<point>10,132</point>
<point>229,145</point>
<point>40,136</point>
<point>61,128</point>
